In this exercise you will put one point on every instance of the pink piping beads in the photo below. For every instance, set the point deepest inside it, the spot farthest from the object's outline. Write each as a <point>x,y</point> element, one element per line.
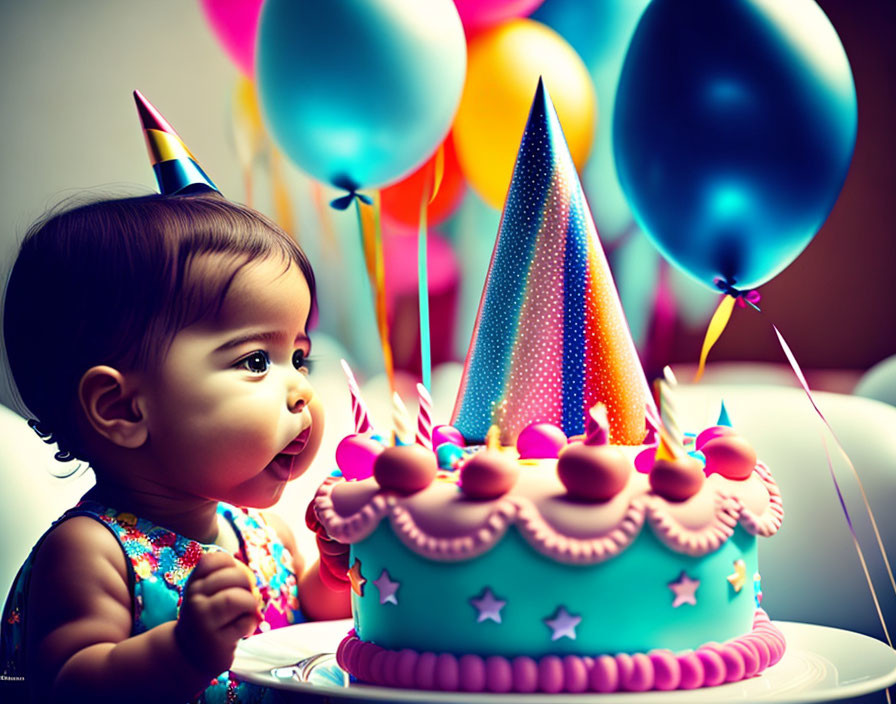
<point>709,665</point>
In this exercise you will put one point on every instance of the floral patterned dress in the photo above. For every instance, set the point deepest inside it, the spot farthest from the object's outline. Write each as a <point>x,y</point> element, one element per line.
<point>159,564</point>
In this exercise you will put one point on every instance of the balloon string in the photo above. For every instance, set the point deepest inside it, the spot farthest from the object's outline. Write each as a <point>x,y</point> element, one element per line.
<point>717,325</point>
<point>372,243</point>
<point>423,291</point>
<point>283,210</point>
<point>427,196</point>
<point>855,539</point>
<point>880,544</point>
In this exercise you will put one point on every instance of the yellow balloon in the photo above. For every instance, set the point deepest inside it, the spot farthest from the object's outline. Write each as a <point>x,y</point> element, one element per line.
<point>503,67</point>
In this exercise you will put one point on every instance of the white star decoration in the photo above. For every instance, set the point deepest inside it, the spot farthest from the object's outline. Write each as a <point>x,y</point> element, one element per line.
<point>387,588</point>
<point>685,590</point>
<point>488,606</point>
<point>563,624</point>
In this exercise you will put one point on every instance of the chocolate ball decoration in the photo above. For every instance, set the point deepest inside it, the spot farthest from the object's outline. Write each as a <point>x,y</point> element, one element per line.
<point>731,456</point>
<point>405,468</point>
<point>678,479</point>
<point>593,472</point>
<point>488,475</point>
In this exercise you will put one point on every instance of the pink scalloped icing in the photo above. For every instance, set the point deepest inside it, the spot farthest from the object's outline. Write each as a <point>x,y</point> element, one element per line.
<point>465,538</point>
<point>767,523</point>
<point>709,665</point>
<point>690,541</point>
<point>563,548</point>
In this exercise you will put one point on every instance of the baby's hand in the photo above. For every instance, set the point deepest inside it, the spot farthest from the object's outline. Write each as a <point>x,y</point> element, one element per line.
<point>218,609</point>
<point>334,556</point>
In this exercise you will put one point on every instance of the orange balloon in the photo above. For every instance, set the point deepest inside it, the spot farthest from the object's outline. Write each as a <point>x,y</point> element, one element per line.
<point>503,67</point>
<point>401,201</point>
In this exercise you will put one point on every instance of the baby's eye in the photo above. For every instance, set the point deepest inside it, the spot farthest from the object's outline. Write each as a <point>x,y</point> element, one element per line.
<point>256,362</point>
<point>301,362</point>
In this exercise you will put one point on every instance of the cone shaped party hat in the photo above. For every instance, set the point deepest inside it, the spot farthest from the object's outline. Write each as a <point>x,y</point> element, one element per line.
<point>550,338</point>
<point>177,170</point>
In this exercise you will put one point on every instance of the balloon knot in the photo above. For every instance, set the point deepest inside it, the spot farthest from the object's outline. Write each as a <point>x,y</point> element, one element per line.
<point>742,296</point>
<point>343,202</point>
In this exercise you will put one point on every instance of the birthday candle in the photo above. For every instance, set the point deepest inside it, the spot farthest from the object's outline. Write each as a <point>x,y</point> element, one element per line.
<point>424,417</point>
<point>359,409</point>
<point>401,425</point>
<point>597,425</point>
<point>666,387</point>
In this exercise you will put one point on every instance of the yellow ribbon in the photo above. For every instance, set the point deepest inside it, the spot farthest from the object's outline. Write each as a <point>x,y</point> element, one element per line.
<point>716,327</point>
<point>372,243</point>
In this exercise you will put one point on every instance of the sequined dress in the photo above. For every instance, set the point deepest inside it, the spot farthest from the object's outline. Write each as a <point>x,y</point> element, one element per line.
<point>159,563</point>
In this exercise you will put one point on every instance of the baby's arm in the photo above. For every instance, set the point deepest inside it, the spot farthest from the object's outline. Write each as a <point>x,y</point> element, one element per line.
<point>79,623</point>
<point>319,602</point>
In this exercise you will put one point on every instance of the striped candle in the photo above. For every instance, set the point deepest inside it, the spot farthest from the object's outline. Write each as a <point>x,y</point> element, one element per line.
<point>359,409</point>
<point>424,417</point>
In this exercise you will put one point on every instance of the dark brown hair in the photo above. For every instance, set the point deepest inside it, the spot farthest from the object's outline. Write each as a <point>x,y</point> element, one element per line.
<point>111,282</point>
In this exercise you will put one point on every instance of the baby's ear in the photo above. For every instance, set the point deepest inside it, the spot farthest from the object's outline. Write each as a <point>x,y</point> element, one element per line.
<point>109,400</point>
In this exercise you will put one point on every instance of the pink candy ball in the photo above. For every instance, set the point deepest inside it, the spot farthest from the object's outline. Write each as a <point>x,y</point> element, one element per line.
<point>355,455</point>
<point>714,431</point>
<point>488,475</point>
<point>405,468</point>
<point>644,459</point>
<point>731,456</point>
<point>447,433</point>
<point>540,441</point>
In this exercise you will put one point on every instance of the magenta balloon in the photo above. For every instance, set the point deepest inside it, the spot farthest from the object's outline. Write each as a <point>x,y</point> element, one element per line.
<point>234,23</point>
<point>479,14</point>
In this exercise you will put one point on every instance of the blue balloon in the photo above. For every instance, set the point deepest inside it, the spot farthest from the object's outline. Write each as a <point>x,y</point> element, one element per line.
<point>734,126</point>
<point>359,93</point>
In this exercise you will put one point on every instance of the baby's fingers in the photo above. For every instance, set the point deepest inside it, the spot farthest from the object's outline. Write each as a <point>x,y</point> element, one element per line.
<point>228,577</point>
<point>228,606</point>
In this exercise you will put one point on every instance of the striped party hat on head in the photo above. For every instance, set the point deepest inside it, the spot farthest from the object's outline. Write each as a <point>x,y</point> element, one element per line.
<point>550,339</point>
<point>176,169</point>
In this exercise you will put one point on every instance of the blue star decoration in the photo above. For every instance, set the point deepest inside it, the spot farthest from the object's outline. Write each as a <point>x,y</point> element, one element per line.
<point>488,606</point>
<point>387,588</point>
<point>563,624</point>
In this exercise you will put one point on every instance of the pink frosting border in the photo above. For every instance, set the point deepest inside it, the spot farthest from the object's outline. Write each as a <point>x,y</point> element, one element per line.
<point>709,665</point>
<point>729,510</point>
<point>587,551</point>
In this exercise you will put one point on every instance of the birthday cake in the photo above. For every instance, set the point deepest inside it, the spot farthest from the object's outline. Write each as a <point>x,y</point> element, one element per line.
<point>562,534</point>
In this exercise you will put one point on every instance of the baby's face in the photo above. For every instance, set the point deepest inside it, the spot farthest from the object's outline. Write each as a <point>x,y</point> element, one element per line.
<point>231,412</point>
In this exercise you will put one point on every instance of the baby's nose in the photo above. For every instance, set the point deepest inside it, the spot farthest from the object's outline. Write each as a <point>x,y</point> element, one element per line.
<point>298,396</point>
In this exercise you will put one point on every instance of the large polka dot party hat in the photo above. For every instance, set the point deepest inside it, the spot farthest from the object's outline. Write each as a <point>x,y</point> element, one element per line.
<point>550,338</point>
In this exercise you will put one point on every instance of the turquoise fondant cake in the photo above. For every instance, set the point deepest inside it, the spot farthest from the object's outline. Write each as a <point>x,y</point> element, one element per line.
<point>502,574</point>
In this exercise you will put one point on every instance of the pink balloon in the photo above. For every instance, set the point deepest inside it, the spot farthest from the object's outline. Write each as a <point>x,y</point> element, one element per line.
<point>479,14</point>
<point>355,455</point>
<point>234,23</point>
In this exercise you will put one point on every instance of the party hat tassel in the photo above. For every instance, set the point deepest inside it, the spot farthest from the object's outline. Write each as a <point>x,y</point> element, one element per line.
<point>550,338</point>
<point>176,169</point>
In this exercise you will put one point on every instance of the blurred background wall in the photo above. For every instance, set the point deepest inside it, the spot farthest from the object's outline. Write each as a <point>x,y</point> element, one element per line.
<point>69,126</point>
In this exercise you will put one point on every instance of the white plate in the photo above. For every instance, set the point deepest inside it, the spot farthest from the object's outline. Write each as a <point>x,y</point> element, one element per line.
<point>820,664</point>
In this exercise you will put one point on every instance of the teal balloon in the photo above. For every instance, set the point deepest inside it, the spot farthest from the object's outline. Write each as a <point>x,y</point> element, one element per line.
<point>734,127</point>
<point>359,93</point>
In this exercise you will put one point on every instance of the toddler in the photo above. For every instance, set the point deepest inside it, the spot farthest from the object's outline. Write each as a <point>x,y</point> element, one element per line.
<point>164,340</point>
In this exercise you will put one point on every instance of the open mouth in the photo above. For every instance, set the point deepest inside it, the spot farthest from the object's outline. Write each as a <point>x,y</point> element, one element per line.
<point>282,465</point>
<point>298,444</point>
